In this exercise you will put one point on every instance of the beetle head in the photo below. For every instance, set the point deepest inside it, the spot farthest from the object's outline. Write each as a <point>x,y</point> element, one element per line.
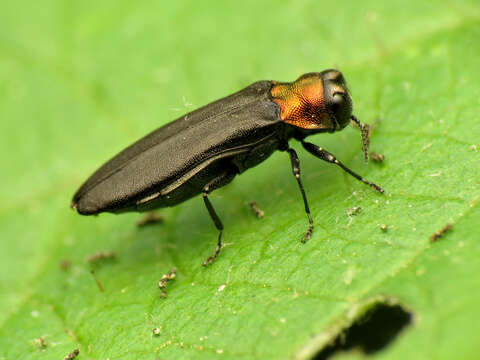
<point>338,104</point>
<point>337,100</point>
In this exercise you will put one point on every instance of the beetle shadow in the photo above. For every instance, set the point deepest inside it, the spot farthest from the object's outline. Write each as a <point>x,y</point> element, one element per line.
<point>187,225</point>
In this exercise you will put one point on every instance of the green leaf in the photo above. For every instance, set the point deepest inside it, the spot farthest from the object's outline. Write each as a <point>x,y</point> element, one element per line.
<point>80,81</point>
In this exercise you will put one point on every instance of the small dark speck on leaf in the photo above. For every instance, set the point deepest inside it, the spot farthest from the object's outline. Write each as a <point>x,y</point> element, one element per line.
<point>353,211</point>
<point>40,341</point>
<point>166,278</point>
<point>378,158</point>
<point>437,235</point>
<point>101,255</point>
<point>259,213</point>
<point>72,355</point>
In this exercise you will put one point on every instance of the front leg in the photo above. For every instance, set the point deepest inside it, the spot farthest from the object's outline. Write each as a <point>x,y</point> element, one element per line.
<point>296,172</point>
<point>328,157</point>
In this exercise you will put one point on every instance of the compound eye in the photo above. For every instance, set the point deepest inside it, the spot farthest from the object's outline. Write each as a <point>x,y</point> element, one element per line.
<point>341,105</point>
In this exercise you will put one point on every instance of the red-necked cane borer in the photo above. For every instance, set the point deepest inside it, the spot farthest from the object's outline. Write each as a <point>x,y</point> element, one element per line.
<point>205,149</point>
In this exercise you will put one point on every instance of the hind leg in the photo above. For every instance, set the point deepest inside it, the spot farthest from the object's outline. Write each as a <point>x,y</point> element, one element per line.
<point>216,183</point>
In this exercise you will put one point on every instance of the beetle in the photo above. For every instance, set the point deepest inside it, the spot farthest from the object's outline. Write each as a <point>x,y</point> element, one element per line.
<point>206,148</point>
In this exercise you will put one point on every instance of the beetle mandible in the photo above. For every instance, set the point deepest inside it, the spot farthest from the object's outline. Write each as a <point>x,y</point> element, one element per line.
<point>205,149</point>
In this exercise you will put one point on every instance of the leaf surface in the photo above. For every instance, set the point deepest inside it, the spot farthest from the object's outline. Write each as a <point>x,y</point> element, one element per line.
<point>80,82</point>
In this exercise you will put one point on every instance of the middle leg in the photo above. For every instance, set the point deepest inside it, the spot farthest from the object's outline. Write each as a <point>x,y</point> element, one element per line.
<point>296,172</point>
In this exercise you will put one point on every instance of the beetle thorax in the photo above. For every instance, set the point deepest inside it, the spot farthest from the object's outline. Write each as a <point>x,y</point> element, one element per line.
<point>301,102</point>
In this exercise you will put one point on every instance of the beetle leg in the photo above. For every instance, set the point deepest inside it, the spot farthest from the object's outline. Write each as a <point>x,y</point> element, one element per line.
<point>328,157</point>
<point>218,225</point>
<point>296,172</point>
<point>221,180</point>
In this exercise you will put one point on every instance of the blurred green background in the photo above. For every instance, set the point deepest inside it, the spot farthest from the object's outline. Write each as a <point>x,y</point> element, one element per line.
<point>79,81</point>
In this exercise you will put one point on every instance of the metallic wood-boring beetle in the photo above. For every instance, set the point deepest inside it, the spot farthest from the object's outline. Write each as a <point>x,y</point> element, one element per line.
<point>205,149</point>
